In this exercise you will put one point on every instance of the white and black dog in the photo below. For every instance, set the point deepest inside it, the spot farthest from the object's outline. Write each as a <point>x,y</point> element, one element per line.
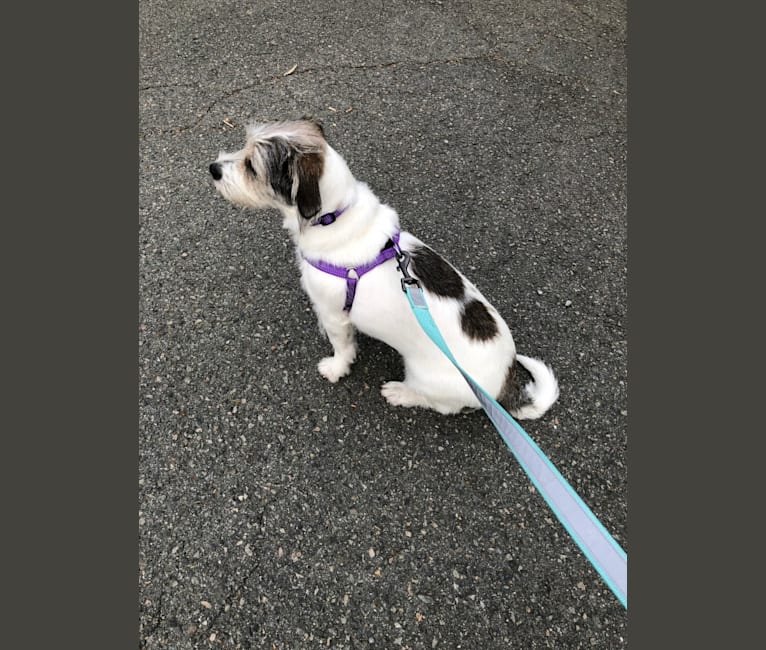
<point>346,241</point>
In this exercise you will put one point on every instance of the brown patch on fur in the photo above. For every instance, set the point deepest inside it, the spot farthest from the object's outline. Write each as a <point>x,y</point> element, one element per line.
<point>511,397</point>
<point>307,198</point>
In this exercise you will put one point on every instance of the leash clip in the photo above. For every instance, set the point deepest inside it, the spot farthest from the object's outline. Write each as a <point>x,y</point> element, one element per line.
<point>403,260</point>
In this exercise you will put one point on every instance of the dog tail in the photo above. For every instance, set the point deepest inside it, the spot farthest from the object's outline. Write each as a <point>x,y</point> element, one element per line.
<point>536,397</point>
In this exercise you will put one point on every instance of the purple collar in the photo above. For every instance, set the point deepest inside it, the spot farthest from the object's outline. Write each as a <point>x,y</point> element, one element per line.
<point>330,217</point>
<point>389,251</point>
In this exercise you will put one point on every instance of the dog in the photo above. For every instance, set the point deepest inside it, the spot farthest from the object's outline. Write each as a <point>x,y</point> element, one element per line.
<point>347,242</point>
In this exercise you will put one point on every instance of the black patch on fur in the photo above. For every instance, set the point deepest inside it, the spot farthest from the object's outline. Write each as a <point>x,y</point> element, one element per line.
<point>309,172</point>
<point>435,273</point>
<point>477,322</point>
<point>279,161</point>
<point>249,166</point>
<point>511,396</point>
<point>284,164</point>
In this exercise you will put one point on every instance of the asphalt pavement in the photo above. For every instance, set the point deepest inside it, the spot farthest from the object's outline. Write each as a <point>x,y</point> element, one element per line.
<point>279,511</point>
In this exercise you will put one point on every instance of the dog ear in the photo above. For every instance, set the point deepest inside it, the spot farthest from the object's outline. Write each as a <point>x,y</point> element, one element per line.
<point>307,198</point>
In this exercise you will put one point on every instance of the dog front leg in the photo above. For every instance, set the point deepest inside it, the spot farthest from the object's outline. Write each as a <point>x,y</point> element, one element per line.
<point>340,331</point>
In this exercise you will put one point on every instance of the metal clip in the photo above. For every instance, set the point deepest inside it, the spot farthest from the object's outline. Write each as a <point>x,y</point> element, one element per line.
<point>403,260</point>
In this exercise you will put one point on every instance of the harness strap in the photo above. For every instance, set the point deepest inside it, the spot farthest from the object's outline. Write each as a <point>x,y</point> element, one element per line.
<point>352,275</point>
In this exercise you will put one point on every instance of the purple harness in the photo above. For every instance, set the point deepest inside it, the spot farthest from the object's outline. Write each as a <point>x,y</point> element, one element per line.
<point>389,251</point>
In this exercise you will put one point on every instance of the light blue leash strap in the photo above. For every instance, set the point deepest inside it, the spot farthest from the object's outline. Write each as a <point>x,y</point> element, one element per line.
<point>604,553</point>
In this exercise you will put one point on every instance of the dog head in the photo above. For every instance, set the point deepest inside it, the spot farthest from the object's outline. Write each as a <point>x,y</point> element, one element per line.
<point>280,166</point>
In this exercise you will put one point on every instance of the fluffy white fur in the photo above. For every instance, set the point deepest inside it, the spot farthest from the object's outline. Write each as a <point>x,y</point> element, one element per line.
<point>380,308</point>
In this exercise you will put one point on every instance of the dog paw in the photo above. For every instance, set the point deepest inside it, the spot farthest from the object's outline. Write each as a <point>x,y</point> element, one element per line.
<point>399,394</point>
<point>333,368</point>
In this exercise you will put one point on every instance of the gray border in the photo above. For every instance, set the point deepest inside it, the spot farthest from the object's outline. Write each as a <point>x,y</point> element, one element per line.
<point>70,258</point>
<point>685,195</point>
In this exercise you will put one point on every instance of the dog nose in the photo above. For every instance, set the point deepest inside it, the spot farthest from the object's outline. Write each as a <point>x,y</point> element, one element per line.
<point>215,171</point>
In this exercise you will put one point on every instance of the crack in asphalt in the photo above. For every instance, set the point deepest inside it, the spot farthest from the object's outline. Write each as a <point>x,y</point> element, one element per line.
<point>156,624</point>
<point>489,56</point>
<point>278,78</point>
<point>157,86</point>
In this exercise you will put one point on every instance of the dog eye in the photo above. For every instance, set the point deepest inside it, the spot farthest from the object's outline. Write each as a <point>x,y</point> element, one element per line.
<point>249,165</point>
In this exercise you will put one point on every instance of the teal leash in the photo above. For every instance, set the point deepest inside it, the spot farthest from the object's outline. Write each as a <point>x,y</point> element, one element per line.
<point>601,549</point>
